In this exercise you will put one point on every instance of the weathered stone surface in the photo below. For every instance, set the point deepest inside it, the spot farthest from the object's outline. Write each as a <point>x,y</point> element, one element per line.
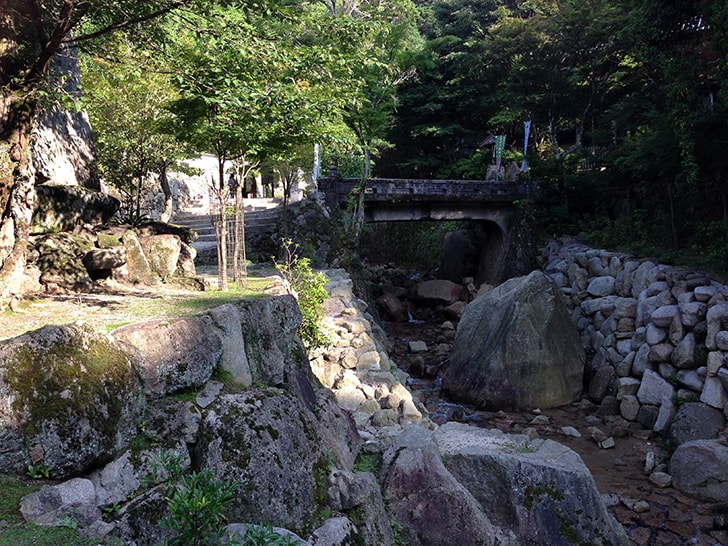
<point>435,292</point>
<point>74,499</point>
<point>137,268</point>
<point>337,531</point>
<point>104,258</point>
<point>516,347</point>
<point>714,393</point>
<point>700,468</point>
<point>695,421</point>
<point>70,397</point>
<point>272,431</point>
<point>175,355</point>
<point>58,258</point>
<point>162,252</point>
<point>61,208</point>
<point>433,508</point>
<point>392,308</point>
<point>540,490</point>
<point>360,490</point>
<point>270,328</point>
<point>234,358</point>
<point>654,389</point>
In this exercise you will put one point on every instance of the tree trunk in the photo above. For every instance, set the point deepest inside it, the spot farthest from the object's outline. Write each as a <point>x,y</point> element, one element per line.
<point>167,191</point>
<point>222,193</point>
<point>17,190</point>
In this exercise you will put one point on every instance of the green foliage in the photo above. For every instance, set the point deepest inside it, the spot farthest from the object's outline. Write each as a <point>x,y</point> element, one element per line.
<point>195,500</point>
<point>39,471</point>
<point>309,287</point>
<point>368,462</point>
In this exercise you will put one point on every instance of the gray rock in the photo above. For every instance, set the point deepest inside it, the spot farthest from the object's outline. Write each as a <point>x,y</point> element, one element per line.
<point>70,398</point>
<point>273,431</point>
<point>603,382</point>
<point>435,292</point>
<point>655,335</point>
<point>692,313</point>
<point>234,359</point>
<point>349,490</point>
<point>714,393</point>
<point>629,407</point>
<point>338,531</point>
<point>175,355</point>
<point>75,499</point>
<point>717,319</point>
<point>272,346</point>
<point>684,355</point>
<point>601,286</point>
<point>425,498</point>
<point>527,358</point>
<point>695,421</point>
<point>104,258</point>
<point>663,315</point>
<point>543,488</point>
<point>700,468</point>
<point>654,389</point>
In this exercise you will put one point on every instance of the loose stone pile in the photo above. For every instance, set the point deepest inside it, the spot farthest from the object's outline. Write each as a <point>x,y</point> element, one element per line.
<point>357,368</point>
<point>658,333</point>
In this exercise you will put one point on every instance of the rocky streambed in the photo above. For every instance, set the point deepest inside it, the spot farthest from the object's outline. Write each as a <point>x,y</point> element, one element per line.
<point>629,466</point>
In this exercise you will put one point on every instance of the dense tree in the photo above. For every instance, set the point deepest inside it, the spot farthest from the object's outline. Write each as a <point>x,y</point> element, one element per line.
<point>32,33</point>
<point>126,97</point>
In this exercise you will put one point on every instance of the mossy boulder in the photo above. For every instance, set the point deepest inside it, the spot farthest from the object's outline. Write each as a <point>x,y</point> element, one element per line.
<point>267,441</point>
<point>70,397</point>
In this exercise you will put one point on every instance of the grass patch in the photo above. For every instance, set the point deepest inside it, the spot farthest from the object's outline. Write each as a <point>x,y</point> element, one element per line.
<point>368,462</point>
<point>13,489</point>
<point>13,529</point>
<point>116,308</point>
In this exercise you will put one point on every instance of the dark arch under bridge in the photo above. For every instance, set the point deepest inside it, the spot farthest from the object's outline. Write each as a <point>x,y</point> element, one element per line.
<point>491,202</point>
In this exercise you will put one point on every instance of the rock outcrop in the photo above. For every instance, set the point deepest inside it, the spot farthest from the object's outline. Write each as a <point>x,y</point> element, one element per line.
<point>290,445</point>
<point>516,347</point>
<point>70,398</point>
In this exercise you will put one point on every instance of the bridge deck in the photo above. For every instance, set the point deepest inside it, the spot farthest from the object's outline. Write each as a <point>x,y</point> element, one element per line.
<point>405,189</point>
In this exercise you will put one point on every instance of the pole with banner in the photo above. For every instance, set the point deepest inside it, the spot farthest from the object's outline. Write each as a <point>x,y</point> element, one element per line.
<point>526,130</point>
<point>500,145</point>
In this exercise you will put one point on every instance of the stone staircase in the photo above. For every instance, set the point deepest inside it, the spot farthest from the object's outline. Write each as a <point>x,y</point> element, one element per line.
<point>261,221</point>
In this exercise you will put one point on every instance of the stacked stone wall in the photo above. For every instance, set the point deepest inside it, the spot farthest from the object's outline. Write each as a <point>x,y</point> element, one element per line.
<point>657,334</point>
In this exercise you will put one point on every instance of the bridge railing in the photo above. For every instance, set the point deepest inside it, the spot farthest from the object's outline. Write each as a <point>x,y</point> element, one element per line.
<point>406,189</point>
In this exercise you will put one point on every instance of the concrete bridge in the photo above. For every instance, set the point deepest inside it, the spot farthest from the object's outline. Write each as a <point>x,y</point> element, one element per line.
<point>491,203</point>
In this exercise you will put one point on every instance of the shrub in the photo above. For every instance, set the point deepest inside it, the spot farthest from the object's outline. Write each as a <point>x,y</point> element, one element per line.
<point>309,288</point>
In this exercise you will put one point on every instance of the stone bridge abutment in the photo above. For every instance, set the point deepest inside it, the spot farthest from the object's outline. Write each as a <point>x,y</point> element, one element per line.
<point>490,205</point>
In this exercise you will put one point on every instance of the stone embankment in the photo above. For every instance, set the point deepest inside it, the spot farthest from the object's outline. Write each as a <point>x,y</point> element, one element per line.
<point>658,336</point>
<point>658,333</point>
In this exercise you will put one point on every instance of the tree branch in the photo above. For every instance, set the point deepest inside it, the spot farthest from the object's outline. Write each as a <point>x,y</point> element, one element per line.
<point>125,24</point>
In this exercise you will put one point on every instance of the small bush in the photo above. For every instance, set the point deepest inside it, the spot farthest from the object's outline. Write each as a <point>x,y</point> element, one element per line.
<point>309,288</point>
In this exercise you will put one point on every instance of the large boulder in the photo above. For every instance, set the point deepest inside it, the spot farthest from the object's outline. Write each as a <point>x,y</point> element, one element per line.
<point>175,355</point>
<point>162,252</point>
<point>433,508</point>
<point>70,397</point>
<point>539,489</point>
<point>516,347</point>
<point>270,327</point>
<point>700,468</point>
<point>61,208</point>
<point>435,292</point>
<point>267,442</point>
